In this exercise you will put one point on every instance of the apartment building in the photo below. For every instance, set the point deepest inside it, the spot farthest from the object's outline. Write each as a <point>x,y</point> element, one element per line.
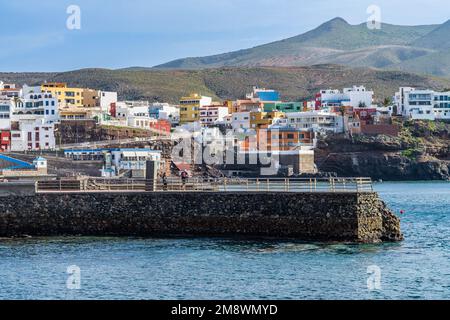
<point>356,97</point>
<point>279,139</point>
<point>5,113</point>
<point>240,121</point>
<point>32,135</point>
<point>9,90</point>
<point>319,122</point>
<point>260,120</point>
<point>211,115</point>
<point>66,96</point>
<point>422,104</point>
<point>190,107</point>
<point>165,111</point>
<point>35,105</point>
<point>247,106</point>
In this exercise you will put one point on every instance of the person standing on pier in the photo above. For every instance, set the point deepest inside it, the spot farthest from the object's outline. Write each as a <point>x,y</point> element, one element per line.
<point>164,180</point>
<point>184,177</point>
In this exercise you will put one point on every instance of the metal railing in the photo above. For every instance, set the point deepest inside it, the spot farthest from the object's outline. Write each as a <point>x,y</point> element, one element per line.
<point>207,185</point>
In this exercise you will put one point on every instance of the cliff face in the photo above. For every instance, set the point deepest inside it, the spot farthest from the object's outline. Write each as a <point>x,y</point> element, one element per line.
<point>421,152</point>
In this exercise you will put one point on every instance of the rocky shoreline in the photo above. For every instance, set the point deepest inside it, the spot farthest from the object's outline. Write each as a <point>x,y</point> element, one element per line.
<point>419,153</point>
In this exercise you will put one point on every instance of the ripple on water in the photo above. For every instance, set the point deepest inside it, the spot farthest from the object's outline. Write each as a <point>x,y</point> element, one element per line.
<point>113,268</point>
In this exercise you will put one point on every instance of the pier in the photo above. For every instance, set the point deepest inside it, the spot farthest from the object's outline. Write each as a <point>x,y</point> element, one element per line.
<point>335,209</point>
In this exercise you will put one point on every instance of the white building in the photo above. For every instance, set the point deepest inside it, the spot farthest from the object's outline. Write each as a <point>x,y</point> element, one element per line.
<point>354,97</point>
<point>5,114</point>
<point>35,105</point>
<point>118,161</point>
<point>33,117</point>
<point>320,122</point>
<point>240,121</point>
<point>441,105</point>
<point>124,110</point>
<point>359,95</point>
<point>165,111</point>
<point>9,90</point>
<point>141,122</point>
<point>33,135</point>
<point>210,115</point>
<point>333,98</point>
<point>105,99</point>
<point>420,104</point>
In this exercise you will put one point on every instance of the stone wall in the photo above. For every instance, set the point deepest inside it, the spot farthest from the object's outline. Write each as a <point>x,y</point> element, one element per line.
<point>8,189</point>
<point>317,217</point>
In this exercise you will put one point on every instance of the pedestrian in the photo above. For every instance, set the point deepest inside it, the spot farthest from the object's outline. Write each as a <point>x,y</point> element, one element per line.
<point>184,177</point>
<point>164,180</point>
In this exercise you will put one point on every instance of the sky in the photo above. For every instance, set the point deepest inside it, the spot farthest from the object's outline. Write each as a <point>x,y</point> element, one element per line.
<point>122,33</point>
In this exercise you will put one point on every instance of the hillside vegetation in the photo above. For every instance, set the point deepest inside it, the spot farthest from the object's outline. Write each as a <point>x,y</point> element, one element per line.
<point>295,83</point>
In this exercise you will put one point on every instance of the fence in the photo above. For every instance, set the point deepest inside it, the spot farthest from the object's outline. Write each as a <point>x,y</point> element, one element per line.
<point>207,185</point>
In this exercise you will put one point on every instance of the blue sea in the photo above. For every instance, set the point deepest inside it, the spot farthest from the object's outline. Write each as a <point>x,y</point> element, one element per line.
<point>114,268</point>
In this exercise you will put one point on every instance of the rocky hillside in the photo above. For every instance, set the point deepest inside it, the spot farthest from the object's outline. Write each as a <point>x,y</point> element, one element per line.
<point>294,83</point>
<point>421,152</point>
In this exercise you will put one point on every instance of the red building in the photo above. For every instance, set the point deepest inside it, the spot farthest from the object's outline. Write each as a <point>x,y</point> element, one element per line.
<point>161,127</point>
<point>113,110</point>
<point>5,140</point>
<point>318,101</point>
<point>366,115</point>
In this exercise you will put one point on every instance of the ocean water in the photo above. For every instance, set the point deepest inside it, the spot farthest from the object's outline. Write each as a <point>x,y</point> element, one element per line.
<point>112,268</point>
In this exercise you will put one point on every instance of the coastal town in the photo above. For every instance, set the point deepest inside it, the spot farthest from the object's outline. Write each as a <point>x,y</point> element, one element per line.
<point>54,130</point>
<point>212,159</point>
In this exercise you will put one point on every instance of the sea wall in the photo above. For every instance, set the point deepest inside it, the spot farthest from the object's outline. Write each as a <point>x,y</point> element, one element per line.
<point>353,217</point>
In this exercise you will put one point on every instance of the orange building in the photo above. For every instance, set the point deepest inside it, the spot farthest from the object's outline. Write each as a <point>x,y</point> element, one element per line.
<point>161,127</point>
<point>246,106</point>
<point>261,120</point>
<point>277,139</point>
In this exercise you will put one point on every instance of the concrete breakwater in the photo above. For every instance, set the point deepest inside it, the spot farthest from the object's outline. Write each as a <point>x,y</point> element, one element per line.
<point>346,217</point>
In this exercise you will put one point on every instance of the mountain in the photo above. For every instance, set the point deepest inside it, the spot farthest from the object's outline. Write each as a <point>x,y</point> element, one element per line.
<point>294,83</point>
<point>438,39</point>
<point>338,42</point>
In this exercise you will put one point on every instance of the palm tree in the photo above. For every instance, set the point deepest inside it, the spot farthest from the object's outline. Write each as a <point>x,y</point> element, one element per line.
<point>387,102</point>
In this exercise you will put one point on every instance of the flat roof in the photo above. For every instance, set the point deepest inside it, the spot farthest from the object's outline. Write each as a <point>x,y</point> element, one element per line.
<point>112,149</point>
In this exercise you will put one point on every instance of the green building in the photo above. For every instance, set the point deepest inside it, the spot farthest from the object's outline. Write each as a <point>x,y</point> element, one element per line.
<point>283,106</point>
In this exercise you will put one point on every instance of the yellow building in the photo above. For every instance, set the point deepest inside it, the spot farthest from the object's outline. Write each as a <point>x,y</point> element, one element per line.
<point>260,120</point>
<point>190,107</point>
<point>67,97</point>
